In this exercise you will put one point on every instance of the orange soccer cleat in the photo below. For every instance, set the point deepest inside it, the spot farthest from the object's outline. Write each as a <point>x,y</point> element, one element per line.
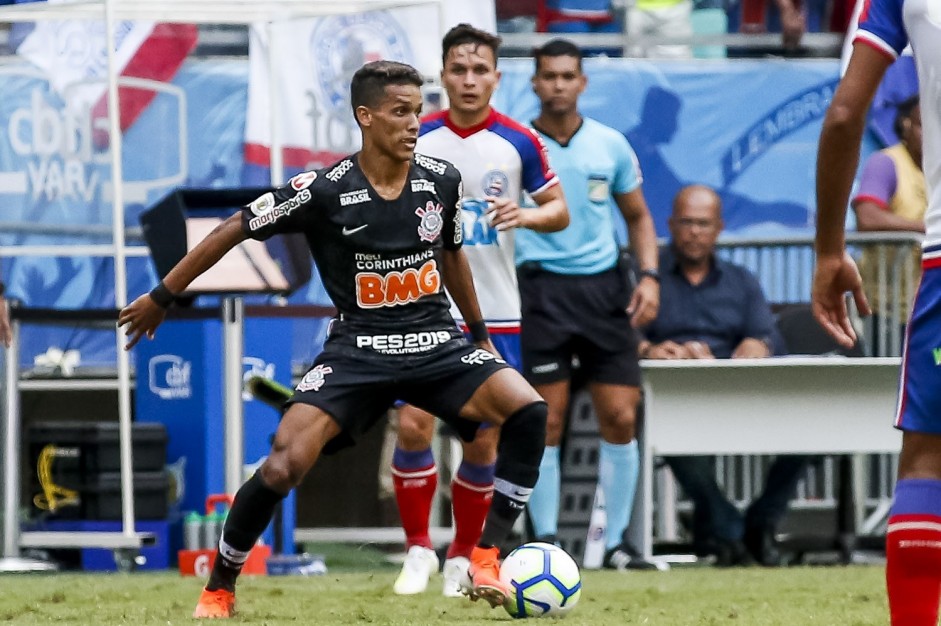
<point>218,604</point>
<point>484,574</point>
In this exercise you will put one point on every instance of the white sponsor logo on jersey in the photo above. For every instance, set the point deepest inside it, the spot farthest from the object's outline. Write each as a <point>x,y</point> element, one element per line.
<point>430,164</point>
<point>422,184</point>
<point>342,168</point>
<point>408,343</point>
<point>303,180</point>
<point>479,357</point>
<point>315,378</point>
<point>458,206</point>
<point>431,221</point>
<point>347,231</point>
<point>354,197</point>
<point>262,204</point>
<point>285,208</point>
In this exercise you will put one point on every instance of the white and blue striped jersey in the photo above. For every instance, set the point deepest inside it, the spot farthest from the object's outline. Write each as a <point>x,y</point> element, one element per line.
<point>888,26</point>
<point>501,158</point>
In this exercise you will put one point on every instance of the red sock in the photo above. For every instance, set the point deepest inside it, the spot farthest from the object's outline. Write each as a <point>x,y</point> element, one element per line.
<point>913,569</point>
<point>414,492</point>
<point>470,502</point>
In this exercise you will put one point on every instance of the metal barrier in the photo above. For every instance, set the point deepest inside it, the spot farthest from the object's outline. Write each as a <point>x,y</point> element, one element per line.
<point>784,267</point>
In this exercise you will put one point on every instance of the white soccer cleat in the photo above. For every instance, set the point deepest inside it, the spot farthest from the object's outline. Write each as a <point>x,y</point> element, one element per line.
<point>420,563</point>
<point>455,577</point>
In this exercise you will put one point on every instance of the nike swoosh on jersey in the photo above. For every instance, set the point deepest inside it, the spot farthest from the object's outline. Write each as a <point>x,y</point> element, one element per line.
<point>350,231</point>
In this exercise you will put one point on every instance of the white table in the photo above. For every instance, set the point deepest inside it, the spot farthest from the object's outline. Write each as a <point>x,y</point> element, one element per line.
<point>782,405</point>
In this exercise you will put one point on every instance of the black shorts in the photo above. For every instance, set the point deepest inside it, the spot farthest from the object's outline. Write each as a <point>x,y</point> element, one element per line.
<point>566,316</point>
<point>357,385</point>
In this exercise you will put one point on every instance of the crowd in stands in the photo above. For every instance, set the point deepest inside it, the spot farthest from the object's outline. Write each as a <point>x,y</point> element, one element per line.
<point>678,19</point>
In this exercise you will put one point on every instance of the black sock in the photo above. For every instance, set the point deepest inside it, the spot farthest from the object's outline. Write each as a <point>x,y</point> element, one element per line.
<point>251,513</point>
<point>522,441</point>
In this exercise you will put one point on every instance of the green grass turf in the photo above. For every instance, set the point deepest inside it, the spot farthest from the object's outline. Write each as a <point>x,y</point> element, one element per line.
<point>842,596</point>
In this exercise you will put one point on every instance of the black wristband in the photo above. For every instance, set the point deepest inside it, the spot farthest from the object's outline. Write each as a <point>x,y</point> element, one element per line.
<point>161,295</point>
<point>3,289</point>
<point>478,331</point>
<point>650,273</point>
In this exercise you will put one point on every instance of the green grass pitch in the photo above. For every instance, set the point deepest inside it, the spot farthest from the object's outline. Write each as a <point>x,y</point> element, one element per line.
<point>834,595</point>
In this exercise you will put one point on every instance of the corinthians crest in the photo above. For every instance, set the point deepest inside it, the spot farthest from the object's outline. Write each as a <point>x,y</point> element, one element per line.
<point>315,378</point>
<point>431,221</point>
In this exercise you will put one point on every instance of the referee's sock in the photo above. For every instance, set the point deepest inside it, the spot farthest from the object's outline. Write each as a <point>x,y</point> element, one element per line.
<point>544,502</point>
<point>250,514</point>
<point>618,471</point>
<point>913,553</point>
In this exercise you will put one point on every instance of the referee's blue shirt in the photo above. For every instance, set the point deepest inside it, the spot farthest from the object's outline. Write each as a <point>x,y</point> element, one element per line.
<point>725,308</point>
<point>596,163</point>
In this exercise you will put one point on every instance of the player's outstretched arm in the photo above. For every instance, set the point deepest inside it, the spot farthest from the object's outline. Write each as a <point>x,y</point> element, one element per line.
<point>835,272</point>
<point>144,315</point>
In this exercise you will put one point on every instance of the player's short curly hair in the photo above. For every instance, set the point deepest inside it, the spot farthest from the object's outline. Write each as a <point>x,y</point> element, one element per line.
<point>370,81</point>
<point>465,33</point>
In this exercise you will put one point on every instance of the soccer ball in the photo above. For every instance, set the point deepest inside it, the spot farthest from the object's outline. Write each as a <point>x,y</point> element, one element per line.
<point>543,581</point>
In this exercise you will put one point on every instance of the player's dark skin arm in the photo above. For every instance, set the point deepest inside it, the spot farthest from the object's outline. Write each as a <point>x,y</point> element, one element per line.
<point>837,158</point>
<point>645,301</point>
<point>143,316</point>
<point>456,272</point>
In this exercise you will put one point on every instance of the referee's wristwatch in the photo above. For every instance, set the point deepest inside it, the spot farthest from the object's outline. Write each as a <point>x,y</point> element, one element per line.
<point>649,273</point>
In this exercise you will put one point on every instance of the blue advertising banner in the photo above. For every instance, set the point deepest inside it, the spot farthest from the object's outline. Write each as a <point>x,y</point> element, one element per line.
<point>748,128</point>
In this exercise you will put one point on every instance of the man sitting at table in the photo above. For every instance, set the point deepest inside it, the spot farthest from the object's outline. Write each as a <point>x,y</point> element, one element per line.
<point>712,309</point>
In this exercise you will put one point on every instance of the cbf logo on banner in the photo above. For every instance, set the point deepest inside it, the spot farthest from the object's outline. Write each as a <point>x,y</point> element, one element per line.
<point>317,59</point>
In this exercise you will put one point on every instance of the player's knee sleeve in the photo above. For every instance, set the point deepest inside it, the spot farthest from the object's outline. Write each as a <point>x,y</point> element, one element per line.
<point>251,512</point>
<point>522,441</point>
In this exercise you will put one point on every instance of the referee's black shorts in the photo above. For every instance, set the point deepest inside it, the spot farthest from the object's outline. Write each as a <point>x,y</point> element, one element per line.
<point>583,316</point>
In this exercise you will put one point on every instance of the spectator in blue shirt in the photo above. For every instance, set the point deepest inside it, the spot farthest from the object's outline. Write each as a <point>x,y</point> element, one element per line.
<point>711,309</point>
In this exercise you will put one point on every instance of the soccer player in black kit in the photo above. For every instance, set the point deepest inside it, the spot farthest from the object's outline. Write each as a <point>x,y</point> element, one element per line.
<point>384,228</point>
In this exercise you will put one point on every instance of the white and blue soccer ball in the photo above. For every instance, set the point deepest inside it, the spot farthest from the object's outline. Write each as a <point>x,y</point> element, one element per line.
<point>543,581</point>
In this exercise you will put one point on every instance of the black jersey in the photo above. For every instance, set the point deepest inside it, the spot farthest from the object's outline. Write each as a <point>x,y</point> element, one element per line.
<point>379,259</point>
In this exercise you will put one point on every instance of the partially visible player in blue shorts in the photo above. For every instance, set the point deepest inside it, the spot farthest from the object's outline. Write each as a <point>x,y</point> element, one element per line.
<point>499,160</point>
<point>576,299</point>
<point>913,538</point>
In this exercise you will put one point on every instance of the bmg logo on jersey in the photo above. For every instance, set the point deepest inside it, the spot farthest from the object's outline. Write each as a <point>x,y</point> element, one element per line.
<point>374,290</point>
<point>169,377</point>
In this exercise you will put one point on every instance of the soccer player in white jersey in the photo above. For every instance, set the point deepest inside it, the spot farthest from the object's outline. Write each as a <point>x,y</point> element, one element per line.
<point>498,159</point>
<point>913,541</point>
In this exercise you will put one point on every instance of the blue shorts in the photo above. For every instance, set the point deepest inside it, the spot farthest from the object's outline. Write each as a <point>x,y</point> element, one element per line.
<point>507,343</point>
<point>919,406</point>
